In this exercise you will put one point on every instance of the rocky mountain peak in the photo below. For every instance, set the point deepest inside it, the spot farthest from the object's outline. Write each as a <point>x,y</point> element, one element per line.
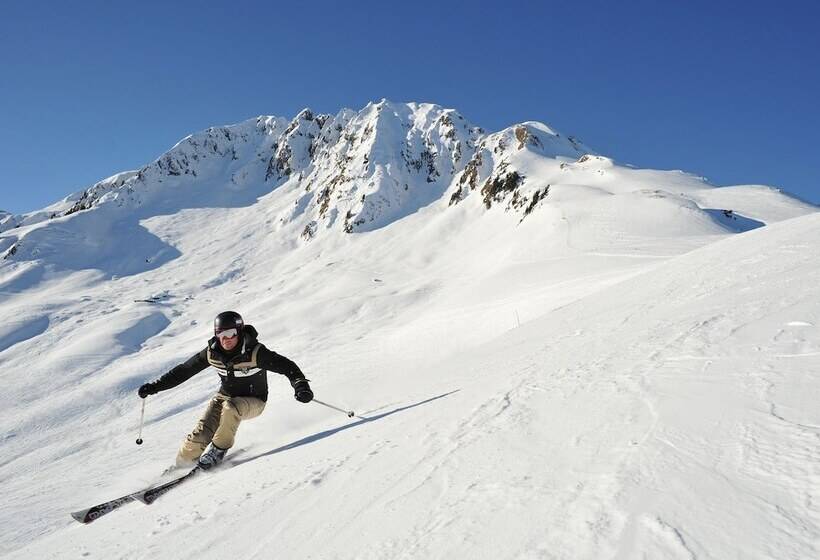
<point>353,171</point>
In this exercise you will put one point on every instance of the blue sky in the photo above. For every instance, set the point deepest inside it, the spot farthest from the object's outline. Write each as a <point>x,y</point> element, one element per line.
<point>727,90</point>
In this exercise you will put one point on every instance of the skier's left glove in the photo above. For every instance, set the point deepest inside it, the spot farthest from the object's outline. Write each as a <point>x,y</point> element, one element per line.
<point>147,389</point>
<point>301,390</point>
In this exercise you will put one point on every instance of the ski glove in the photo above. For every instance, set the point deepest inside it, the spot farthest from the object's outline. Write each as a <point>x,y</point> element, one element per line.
<point>302,392</point>
<point>147,389</point>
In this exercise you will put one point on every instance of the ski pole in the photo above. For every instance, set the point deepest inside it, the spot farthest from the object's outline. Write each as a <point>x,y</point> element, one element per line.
<point>142,417</point>
<point>350,413</point>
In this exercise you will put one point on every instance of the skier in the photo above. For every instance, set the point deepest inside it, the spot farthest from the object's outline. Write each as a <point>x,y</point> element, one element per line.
<point>242,363</point>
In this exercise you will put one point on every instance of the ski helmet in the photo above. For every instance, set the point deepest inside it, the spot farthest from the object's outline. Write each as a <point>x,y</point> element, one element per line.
<point>228,320</point>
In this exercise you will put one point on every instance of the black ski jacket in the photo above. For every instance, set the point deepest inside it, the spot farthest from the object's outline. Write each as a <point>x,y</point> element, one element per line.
<point>243,371</point>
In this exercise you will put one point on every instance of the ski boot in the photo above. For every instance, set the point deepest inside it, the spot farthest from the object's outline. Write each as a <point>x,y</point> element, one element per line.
<point>211,458</point>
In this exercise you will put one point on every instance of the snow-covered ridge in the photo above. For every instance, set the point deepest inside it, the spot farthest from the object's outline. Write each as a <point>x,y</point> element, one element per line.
<point>368,167</point>
<point>359,171</point>
<point>4,218</point>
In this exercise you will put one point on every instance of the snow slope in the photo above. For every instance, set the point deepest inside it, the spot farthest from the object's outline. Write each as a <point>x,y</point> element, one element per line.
<point>623,371</point>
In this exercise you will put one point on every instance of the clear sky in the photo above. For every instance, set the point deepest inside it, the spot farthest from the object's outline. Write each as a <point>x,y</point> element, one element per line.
<point>727,90</point>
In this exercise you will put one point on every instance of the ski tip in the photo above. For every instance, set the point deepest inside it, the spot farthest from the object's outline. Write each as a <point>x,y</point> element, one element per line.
<point>81,516</point>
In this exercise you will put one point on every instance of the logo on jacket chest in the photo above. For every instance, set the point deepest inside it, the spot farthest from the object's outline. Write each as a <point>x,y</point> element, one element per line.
<point>243,372</point>
<point>244,366</point>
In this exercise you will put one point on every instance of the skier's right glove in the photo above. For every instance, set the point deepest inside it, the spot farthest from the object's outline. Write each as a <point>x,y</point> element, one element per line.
<point>301,391</point>
<point>147,389</point>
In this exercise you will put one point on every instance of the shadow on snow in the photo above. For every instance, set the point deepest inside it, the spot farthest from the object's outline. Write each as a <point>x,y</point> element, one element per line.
<point>334,431</point>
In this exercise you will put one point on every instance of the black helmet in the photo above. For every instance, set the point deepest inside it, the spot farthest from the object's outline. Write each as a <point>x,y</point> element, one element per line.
<point>228,320</point>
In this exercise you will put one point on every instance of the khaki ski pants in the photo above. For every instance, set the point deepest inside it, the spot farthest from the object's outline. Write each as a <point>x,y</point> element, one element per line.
<point>218,424</point>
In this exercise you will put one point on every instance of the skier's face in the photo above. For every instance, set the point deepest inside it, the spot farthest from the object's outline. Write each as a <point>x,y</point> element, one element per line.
<point>228,339</point>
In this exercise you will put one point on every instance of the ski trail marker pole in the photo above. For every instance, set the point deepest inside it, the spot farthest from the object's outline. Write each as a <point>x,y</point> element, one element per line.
<point>350,413</point>
<point>142,418</point>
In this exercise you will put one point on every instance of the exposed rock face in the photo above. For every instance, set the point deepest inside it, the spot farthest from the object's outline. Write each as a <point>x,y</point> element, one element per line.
<point>495,167</point>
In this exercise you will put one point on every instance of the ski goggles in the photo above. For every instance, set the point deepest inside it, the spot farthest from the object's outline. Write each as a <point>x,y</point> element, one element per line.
<point>227,333</point>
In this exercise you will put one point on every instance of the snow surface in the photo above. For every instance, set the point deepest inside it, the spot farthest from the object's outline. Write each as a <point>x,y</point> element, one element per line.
<point>625,371</point>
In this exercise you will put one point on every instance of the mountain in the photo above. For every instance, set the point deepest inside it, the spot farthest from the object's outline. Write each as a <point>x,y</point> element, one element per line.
<point>360,171</point>
<point>556,355</point>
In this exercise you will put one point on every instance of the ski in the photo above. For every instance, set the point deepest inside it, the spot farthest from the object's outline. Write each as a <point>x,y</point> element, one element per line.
<point>150,495</point>
<point>146,496</point>
<point>95,512</point>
